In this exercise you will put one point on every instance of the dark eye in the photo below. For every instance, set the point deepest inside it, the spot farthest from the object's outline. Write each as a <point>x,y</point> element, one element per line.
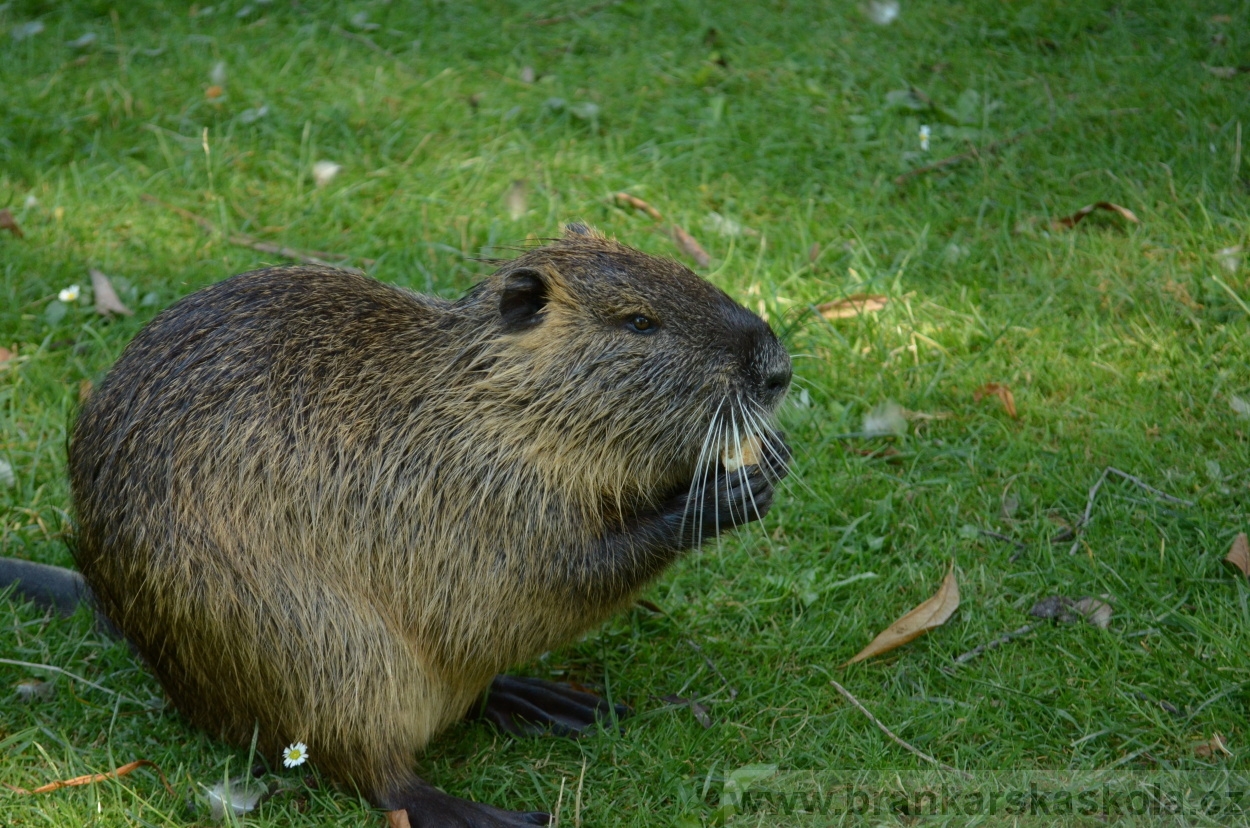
<point>640,324</point>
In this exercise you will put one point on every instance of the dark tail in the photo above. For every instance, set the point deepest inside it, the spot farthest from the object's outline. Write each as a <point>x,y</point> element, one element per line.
<point>48,586</point>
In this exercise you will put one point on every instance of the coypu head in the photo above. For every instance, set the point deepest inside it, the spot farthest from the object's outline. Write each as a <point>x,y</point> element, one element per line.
<point>621,360</point>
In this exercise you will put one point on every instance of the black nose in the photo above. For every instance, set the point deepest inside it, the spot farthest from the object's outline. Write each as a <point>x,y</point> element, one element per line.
<point>776,382</point>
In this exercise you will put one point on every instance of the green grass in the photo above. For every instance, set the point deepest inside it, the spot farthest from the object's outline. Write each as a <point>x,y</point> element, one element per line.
<point>1123,344</point>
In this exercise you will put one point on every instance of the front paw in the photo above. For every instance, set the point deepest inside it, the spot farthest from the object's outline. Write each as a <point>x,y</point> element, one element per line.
<point>720,501</point>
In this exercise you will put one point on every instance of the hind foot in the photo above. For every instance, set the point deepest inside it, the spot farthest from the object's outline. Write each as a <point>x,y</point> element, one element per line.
<point>532,707</point>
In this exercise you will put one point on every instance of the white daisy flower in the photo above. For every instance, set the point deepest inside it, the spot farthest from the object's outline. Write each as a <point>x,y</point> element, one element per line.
<point>924,138</point>
<point>69,294</point>
<point>296,754</point>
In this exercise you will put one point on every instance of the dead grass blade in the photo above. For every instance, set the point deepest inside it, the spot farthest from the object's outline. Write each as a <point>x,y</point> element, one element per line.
<point>1068,222</point>
<point>857,304</point>
<point>931,614</point>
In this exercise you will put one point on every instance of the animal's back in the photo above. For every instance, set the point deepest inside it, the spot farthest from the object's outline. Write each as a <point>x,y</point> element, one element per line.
<point>227,503</point>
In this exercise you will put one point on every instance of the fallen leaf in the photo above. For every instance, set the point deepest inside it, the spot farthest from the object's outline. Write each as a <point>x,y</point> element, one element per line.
<point>7,222</point>
<point>1239,554</point>
<point>1068,222</point>
<point>106,301</point>
<point>995,389</point>
<point>398,819</point>
<point>687,244</point>
<point>1064,610</point>
<point>1213,746</point>
<point>214,92</point>
<point>1054,607</point>
<point>1097,613</point>
<point>5,355</point>
<point>931,614</point>
<point>516,200</point>
<point>638,204</point>
<point>855,305</point>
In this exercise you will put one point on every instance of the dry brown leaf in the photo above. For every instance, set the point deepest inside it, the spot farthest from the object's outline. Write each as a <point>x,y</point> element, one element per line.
<point>398,819</point>
<point>214,92</point>
<point>927,616</point>
<point>7,222</point>
<point>106,301</point>
<point>1003,392</point>
<point>6,355</point>
<point>92,778</point>
<point>855,305</point>
<point>1239,554</point>
<point>687,244</point>
<point>1068,222</point>
<point>1213,746</point>
<point>638,204</point>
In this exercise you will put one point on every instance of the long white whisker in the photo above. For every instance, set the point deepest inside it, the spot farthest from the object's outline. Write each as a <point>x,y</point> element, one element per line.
<point>694,495</point>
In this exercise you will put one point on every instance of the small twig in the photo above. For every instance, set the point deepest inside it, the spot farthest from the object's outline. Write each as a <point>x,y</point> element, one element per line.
<point>972,154</point>
<point>917,751</point>
<point>586,12</point>
<point>246,240</point>
<point>53,668</point>
<point>1093,493</point>
<point>359,38</point>
<point>1138,481</point>
<point>92,778</point>
<point>733,691</point>
<point>991,645</point>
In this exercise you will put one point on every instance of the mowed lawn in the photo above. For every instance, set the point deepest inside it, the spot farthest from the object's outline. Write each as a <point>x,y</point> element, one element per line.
<point>774,134</point>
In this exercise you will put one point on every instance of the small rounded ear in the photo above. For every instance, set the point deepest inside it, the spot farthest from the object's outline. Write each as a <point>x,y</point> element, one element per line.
<point>523,299</point>
<point>578,229</point>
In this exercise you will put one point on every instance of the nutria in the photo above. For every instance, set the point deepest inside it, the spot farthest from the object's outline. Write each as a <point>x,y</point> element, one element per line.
<point>332,510</point>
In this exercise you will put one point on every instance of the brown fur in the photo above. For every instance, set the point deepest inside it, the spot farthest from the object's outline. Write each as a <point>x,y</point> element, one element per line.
<point>336,508</point>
